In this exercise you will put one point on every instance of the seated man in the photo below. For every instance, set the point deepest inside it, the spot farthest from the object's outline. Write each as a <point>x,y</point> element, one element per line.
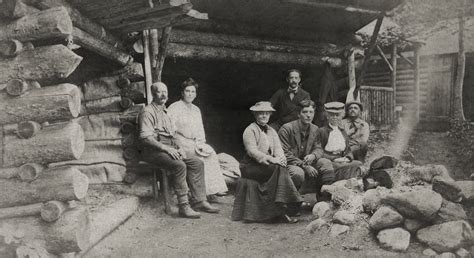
<point>157,137</point>
<point>357,130</point>
<point>334,156</point>
<point>300,145</point>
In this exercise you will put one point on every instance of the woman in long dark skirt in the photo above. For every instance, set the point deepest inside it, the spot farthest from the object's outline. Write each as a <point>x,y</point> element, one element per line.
<point>265,190</point>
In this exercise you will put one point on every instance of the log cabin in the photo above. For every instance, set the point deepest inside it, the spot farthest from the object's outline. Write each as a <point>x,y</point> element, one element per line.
<point>75,73</point>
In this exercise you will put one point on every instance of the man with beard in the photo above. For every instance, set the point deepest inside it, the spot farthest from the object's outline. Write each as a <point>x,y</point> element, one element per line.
<point>301,147</point>
<point>285,101</point>
<point>357,130</point>
<point>157,135</point>
<point>334,158</point>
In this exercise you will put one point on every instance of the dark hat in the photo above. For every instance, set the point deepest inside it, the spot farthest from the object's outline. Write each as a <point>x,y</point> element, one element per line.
<point>334,107</point>
<point>262,106</point>
<point>348,104</point>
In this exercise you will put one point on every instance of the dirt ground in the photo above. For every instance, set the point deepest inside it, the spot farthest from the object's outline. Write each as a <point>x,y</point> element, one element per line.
<point>151,233</point>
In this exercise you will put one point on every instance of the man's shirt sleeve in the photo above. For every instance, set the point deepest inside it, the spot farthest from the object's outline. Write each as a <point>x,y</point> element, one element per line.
<point>145,123</point>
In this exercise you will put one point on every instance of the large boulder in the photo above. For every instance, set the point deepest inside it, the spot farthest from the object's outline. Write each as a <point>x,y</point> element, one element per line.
<point>321,210</point>
<point>447,188</point>
<point>446,255</point>
<point>316,225</point>
<point>385,217</point>
<point>339,194</point>
<point>446,237</point>
<point>467,191</point>
<point>371,201</point>
<point>463,253</point>
<point>422,204</point>
<point>450,211</point>
<point>344,217</point>
<point>429,252</point>
<point>394,239</point>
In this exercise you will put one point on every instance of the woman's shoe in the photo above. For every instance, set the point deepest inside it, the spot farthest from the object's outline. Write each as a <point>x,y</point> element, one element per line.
<point>287,219</point>
<point>222,193</point>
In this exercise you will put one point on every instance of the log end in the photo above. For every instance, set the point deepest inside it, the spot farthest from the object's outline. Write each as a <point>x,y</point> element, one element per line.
<point>28,129</point>
<point>80,184</point>
<point>16,87</point>
<point>10,48</point>
<point>52,210</point>
<point>30,171</point>
<point>74,101</point>
<point>77,140</point>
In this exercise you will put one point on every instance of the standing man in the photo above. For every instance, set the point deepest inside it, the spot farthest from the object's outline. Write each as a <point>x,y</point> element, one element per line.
<point>334,156</point>
<point>357,130</point>
<point>301,147</point>
<point>285,101</point>
<point>157,137</point>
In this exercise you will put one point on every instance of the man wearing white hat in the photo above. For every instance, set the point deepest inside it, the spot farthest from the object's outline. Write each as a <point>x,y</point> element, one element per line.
<point>357,130</point>
<point>334,157</point>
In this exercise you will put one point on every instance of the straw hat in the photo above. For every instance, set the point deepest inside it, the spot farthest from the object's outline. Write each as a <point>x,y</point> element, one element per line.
<point>334,107</point>
<point>262,106</point>
<point>203,149</point>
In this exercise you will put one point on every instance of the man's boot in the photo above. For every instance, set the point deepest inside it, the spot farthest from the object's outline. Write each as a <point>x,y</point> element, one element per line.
<point>206,207</point>
<point>186,211</point>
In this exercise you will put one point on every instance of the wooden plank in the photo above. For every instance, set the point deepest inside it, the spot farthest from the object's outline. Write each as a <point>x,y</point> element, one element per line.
<point>384,58</point>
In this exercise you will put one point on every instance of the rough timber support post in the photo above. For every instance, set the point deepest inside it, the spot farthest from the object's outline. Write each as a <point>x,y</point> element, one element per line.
<point>393,78</point>
<point>417,83</point>
<point>162,52</point>
<point>352,76</point>
<point>147,64</point>
<point>154,50</point>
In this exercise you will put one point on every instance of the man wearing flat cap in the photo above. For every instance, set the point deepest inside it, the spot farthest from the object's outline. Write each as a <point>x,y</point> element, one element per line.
<point>334,157</point>
<point>357,130</point>
<point>285,101</point>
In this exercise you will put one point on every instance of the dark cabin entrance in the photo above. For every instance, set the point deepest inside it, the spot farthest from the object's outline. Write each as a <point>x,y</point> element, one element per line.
<point>227,90</point>
<point>468,89</point>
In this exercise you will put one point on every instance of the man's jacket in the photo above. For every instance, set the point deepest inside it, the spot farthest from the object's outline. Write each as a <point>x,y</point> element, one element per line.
<point>323,135</point>
<point>291,142</point>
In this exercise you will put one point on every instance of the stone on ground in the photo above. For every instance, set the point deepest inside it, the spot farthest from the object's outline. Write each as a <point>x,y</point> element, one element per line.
<point>428,172</point>
<point>447,188</point>
<point>344,217</point>
<point>463,253</point>
<point>385,217</point>
<point>371,201</point>
<point>394,239</point>
<point>421,204</point>
<point>446,237</point>
<point>338,229</point>
<point>467,191</point>
<point>316,225</point>
<point>351,183</point>
<point>450,211</point>
<point>429,252</point>
<point>412,225</point>
<point>321,209</point>
<point>446,255</point>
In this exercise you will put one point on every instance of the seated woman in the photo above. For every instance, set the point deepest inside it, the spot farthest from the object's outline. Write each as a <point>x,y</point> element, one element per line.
<point>265,189</point>
<point>190,136</point>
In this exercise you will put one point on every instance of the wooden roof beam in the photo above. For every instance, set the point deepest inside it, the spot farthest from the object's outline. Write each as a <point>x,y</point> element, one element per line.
<point>320,4</point>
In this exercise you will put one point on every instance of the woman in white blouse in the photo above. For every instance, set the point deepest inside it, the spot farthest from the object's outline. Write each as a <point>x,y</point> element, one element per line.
<point>191,137</point>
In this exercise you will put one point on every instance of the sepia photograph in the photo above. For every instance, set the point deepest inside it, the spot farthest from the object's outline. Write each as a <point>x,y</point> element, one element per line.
<point>236,128</point>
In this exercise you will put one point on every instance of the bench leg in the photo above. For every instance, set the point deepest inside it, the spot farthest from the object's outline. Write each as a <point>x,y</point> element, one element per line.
<point>166,193</point>
<point>155,186</point>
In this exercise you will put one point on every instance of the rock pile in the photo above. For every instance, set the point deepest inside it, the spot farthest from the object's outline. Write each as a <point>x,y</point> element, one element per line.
<point>425,204</point>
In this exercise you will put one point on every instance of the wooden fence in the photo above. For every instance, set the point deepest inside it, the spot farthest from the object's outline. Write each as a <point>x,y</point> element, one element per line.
<point>379,108</point>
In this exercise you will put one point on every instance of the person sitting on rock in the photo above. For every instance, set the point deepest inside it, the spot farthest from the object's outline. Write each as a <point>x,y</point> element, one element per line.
<point>357,130</point>
<point>334,156</point>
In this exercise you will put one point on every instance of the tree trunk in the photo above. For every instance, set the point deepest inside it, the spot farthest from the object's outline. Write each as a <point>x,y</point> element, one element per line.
<point>240,55</point>
<point>61,184</point>
<point>458,112</point>
<point>162,52</point>
<point>106,219</point>
<point>30,171</point>
<point>21,211</point>
<point>52,210</point>
<point>147,64</point>
<point>100,47</point>
<point>71,233</point>
<point>54,143</point>
<point>51,23</point>
<point>42,63</point>
<point>109,104</point>
<point>60,102</point>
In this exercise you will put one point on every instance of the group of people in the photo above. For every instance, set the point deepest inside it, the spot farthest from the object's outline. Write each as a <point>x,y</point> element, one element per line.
<point>284,159</point>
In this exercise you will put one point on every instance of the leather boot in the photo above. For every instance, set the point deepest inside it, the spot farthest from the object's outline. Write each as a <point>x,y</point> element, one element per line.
<point>206,207</point>
<point>186,211</point>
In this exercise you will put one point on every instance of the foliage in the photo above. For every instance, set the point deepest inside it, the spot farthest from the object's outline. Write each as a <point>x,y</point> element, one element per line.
<point>386,38</point>
<point>463,133</point>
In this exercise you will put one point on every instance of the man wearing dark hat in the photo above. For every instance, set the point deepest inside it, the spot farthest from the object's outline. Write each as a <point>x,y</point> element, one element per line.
<point>334,157</point>
<point>357,130</point>
<point>285,101</point>
<point>157,135</point>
